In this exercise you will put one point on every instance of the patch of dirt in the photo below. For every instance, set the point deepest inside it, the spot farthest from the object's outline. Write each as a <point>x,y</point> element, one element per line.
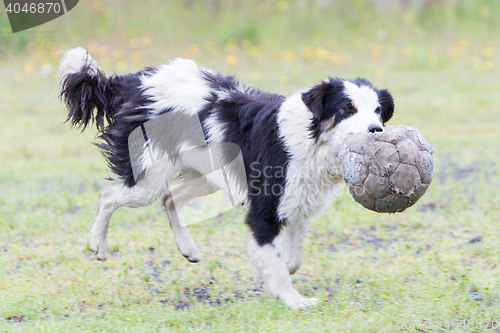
<point>16,319</point>
<point>187,298</point>
<point>476,239</point>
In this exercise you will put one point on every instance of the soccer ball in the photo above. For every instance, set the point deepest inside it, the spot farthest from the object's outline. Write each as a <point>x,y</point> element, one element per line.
<point>388,171</point>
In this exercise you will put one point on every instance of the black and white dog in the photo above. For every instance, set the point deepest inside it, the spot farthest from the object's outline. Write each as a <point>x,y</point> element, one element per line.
<point>299,135</point>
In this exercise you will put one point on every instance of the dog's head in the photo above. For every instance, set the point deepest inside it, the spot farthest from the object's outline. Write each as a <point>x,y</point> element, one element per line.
<point>340,107</point>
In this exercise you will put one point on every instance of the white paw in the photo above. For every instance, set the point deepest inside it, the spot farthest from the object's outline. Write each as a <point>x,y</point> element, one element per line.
<point>192,254</point>
<point>100,247</point>
<point>187,247</point>
<point>303,304</point>
<point>298,302</point>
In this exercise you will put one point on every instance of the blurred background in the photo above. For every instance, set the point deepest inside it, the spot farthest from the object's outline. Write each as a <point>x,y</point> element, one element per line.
<point>280,46</point>
<point>251,37</point>
<point>439,58</point>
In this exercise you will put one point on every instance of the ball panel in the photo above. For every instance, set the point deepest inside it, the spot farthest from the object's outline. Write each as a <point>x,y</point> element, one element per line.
<point>425,167</point>
<point>356,143</point>
<point>376,186</point>
<point>405,179</point>
<point>419,192</point>
<point>355,171</point>
<point>408,152</point>
<point>392,134</point>
<point>359,145</point>
<point>362,197</point>
<point>382,158</point>
<point>418,138</point>
<point>392,203</point>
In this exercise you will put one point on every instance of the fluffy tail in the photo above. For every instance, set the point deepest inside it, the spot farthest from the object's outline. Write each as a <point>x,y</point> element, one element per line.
<point>81,85</point>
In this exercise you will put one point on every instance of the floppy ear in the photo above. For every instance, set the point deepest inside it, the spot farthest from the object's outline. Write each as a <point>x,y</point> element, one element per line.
<point>314,99</point>
<point>387,103</point>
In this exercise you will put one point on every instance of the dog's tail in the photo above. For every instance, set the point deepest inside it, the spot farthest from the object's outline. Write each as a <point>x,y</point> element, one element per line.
<point>82,88</point>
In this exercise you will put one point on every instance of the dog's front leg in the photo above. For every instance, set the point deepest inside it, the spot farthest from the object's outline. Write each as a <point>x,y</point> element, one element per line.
<point>272,265</point>
<point>294,236</point>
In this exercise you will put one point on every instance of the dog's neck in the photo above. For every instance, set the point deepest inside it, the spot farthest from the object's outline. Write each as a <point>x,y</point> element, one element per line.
<point>318,156</point>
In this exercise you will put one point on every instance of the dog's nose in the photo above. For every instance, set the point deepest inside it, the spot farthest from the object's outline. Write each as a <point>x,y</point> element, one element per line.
<point>375,128</point>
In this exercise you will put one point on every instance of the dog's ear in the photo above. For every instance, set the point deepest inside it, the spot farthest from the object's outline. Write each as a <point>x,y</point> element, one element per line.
<point>314,99</point>
<point>387,103</point>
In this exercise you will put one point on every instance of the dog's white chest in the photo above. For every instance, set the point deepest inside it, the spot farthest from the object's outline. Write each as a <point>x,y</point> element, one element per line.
<point>308,192</point>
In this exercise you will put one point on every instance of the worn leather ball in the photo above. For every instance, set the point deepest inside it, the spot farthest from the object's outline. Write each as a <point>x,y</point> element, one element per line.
<point>387,172</point>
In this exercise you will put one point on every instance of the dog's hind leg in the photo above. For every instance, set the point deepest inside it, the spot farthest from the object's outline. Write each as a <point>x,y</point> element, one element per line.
<point>182,194</point>
<point>110,199</point>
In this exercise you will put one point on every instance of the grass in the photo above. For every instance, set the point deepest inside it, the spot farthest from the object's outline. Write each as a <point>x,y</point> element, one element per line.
<point>425,264</point>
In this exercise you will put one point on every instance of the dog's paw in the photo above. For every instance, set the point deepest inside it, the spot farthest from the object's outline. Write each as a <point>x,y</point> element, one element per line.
<point>187,247</point>
<point>99,247</point>
<point>298,302</point>
<point>303,304</point>
<point>192,254</point>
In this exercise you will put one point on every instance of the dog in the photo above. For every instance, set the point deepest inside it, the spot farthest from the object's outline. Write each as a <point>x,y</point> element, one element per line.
<point>288,144</point>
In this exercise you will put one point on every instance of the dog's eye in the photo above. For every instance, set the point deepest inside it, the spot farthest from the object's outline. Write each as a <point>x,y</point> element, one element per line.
<point>378,110</point>
<point>349,108</point>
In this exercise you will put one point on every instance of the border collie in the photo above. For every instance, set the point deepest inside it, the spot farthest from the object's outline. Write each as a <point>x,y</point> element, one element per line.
<point>299,135</point>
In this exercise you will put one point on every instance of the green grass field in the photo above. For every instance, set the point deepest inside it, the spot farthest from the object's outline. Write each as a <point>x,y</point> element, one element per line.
<point>437,261</point>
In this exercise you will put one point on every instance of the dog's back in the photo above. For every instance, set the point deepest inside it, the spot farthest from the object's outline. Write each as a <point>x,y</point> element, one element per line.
<point>227,110</point>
